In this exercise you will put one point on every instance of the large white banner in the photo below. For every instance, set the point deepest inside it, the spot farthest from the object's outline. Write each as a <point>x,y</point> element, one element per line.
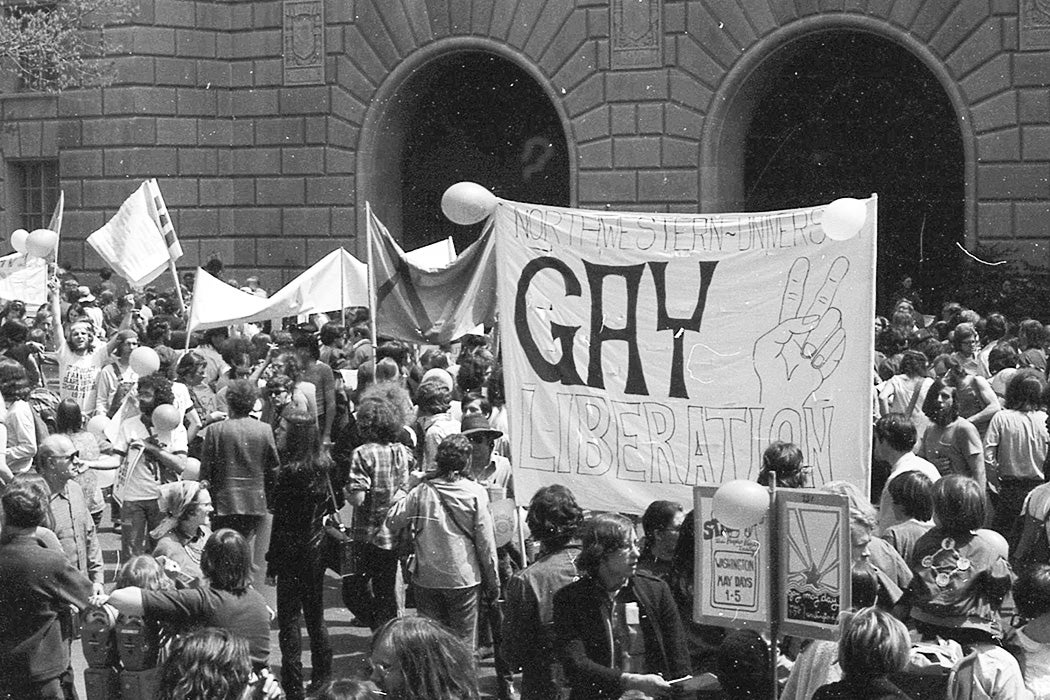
<point>647,353</point>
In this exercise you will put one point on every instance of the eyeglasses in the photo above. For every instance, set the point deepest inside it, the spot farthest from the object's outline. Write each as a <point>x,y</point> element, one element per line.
<point>477,439</point>
<point>64,458</point>
<point>377,668</point>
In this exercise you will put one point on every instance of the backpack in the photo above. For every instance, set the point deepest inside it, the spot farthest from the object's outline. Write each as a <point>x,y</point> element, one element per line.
<point>44,403</point>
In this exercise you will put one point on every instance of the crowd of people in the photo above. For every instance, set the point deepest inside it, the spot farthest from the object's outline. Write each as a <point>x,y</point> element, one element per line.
<point>209,436</point>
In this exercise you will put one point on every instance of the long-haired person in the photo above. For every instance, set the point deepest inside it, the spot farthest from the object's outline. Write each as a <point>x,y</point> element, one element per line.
<point>617,629</point>
<point>227,600</point>
<point>294,562</point>
<point>208,663</point>
<point>417,658</point>
<point>874,644</point>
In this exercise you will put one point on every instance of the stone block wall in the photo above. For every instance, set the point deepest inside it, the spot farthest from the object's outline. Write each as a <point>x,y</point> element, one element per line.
<point>266,149</point>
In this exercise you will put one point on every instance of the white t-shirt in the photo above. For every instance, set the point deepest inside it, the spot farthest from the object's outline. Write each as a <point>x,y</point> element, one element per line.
<point>144,479</point>
<point>78,375</point>
<point>1036,665</point>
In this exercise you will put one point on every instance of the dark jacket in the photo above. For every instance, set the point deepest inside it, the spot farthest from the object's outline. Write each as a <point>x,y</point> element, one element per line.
<point>239,459</point>
<point>299,499</point>
<point>528,621</point>
<point>583,635</point>
<point>873,689</point>
<point>35,584</point>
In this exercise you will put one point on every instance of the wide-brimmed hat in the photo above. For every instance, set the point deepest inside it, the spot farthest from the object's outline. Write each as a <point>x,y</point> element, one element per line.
<point>478,424</point>
<point>85,294</point>
<point>174,501</point>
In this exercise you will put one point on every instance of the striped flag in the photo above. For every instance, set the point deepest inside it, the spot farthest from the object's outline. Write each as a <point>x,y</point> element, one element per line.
<point>160,213</point>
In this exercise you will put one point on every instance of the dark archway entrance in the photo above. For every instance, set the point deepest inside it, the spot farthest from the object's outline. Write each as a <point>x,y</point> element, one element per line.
<point>468,115</point>
<point>848,113</point>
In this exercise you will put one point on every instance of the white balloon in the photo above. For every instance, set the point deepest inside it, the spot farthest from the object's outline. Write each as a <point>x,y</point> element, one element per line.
<point>844,218</point>
<point>18,240</point>
<point>97,425</point>
<point>144,360</point>
<point>739,504</point>
<point>467,203</point>
<point>41,242</point>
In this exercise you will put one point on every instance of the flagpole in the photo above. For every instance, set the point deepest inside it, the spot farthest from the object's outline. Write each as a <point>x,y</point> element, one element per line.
<point>371,276</point>
<point>342,290</point>
<point>178,287</point>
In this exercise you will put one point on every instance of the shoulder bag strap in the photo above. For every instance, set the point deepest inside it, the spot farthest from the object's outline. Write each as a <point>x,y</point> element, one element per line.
<point>915,397</point>
<point>451,516</point>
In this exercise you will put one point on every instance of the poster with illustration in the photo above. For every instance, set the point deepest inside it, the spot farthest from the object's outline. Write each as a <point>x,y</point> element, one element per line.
<point>814,557</point>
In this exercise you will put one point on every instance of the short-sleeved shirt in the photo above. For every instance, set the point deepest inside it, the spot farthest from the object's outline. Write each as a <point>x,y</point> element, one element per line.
<point>379,471</point>
<point>145,480</point>
<point>1016,444</point>
<point>77,375</point>
<point>244,615</point>
<point>955,442</point>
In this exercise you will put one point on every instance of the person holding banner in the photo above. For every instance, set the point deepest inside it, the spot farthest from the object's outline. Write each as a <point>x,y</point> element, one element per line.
<point>617,630</point>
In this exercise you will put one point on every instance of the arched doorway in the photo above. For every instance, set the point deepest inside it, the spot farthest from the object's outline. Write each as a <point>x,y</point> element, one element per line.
<point>847,112</point>
<point>466,115</point>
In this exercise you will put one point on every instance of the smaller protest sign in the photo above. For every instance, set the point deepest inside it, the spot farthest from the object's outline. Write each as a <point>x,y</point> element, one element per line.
<point>733,576</point>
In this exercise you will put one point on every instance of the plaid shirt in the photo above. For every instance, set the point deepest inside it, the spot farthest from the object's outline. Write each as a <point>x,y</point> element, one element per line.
<point>380,471</point>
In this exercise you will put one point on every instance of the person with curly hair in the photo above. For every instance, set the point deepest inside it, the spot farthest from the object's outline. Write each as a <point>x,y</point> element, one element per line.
<point>455,544</point>
<point>434,422</point>
<point>150,456</point>
<point>379,473</point>
<point>208,663</point>
<point>416,658</point>
<point>528,611</point>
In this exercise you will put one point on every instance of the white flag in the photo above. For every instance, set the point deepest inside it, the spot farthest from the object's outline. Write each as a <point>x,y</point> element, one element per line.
<point>132,242</point>
<point>160,214</point>
<point>23,278</point>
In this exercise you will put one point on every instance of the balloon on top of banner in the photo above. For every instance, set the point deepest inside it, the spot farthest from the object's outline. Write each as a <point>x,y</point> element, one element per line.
<point>844,218</point>
<point>665,351</point>
<point>467,203</point>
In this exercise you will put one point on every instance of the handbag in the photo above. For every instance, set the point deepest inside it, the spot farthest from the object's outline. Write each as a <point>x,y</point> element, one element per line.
<point>338,550</point>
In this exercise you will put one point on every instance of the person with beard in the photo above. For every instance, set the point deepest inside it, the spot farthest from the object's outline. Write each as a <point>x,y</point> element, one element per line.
<point>149,457</point>
<point>951,443</point>
<point>81,356</point>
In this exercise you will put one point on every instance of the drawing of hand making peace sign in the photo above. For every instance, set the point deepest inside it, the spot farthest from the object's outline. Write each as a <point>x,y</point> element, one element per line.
<point>794,358</point>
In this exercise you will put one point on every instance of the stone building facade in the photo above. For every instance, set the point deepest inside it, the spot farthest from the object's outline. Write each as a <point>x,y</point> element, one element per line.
<point>269,124</point>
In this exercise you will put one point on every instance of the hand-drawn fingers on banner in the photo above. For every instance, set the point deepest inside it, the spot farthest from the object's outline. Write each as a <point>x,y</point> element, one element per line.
<point>794,358</point>
<point>794,289</point>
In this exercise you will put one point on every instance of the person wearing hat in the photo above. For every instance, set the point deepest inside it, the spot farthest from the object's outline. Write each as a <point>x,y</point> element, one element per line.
<point>491,470</point>
<point>89,309</point>
<point>180,537</point>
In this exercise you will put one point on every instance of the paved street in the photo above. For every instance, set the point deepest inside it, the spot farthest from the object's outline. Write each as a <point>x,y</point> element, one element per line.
<point>349,641</point>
